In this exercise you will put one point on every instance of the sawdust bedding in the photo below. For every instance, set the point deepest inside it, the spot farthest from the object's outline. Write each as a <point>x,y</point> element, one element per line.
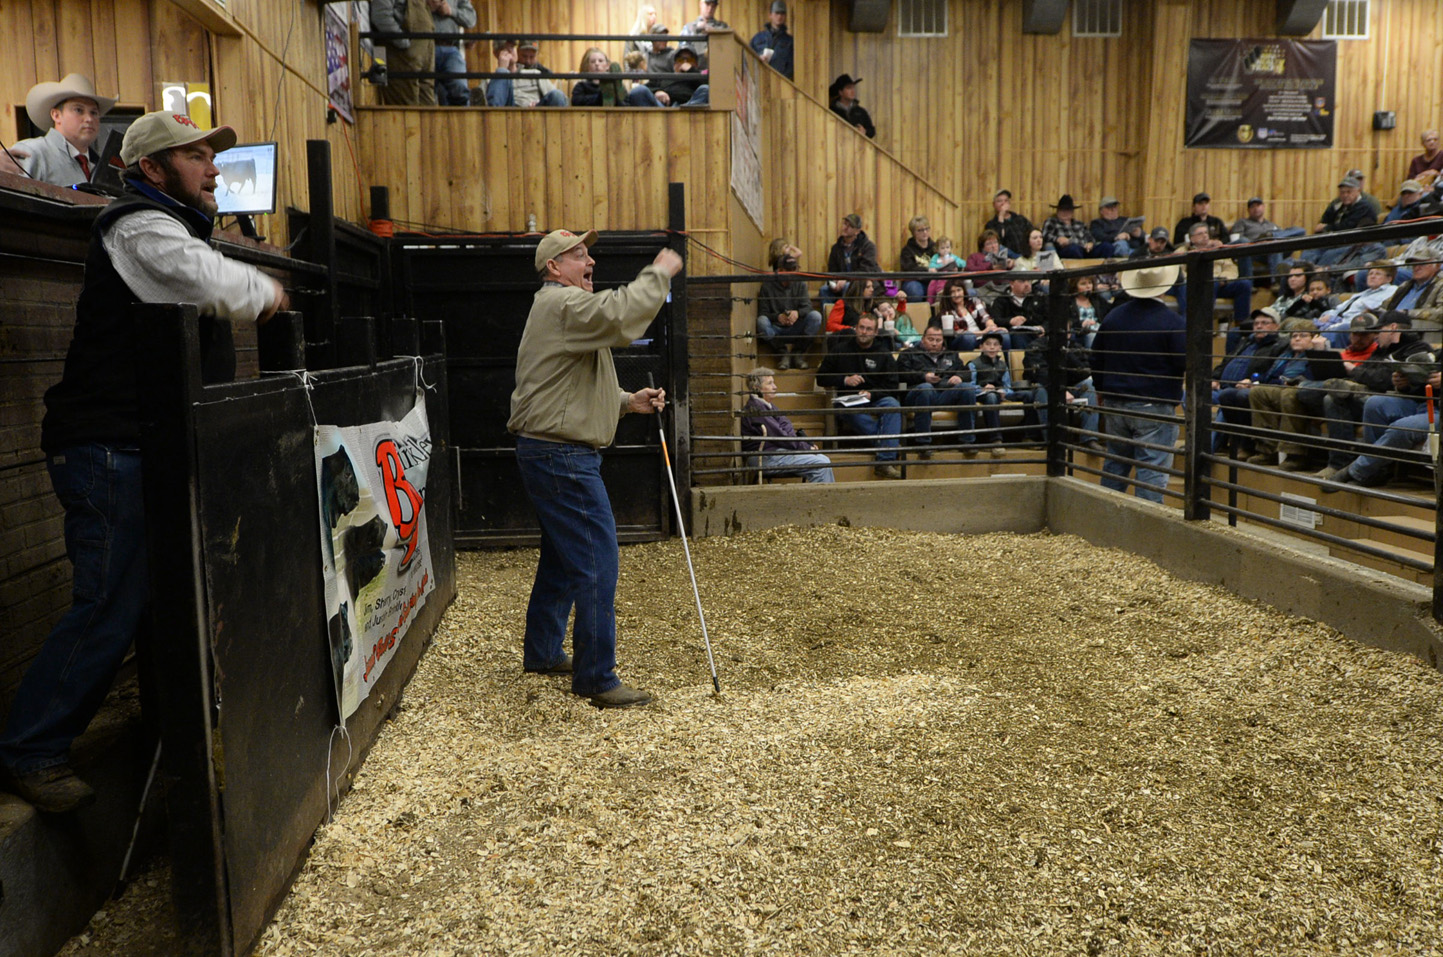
<point>925,744</point>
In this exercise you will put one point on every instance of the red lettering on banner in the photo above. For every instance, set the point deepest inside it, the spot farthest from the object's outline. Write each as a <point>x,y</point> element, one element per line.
<point>388,641</point>
<point>407,520</point>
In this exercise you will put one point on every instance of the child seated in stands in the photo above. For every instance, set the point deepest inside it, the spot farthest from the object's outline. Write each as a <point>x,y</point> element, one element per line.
<point>1317,300</point>
<point>782,450</point>
<point>942,260</point>
<point>964,317</point>
<point>992,378</point>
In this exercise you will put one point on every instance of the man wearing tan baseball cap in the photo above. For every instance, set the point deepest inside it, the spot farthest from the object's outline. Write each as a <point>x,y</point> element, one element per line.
<point>150,245</point>
<point>565,409</point>
<point>69,111</point>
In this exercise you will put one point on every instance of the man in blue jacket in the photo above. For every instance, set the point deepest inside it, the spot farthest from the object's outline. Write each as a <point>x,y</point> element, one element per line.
<point>1139,357</point>
<point>774,37</point>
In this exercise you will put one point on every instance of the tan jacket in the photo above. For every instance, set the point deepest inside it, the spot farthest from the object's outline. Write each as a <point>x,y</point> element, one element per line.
<point>1429,305</point>
<point>566,388</point>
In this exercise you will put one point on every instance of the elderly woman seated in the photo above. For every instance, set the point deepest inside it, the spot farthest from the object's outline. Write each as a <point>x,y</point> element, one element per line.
<point>772,438</point>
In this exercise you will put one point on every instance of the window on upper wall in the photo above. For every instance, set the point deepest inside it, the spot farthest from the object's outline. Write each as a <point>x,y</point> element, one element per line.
<point>922,18</point>
<point>1097,18</point>
<point>1346,20</point>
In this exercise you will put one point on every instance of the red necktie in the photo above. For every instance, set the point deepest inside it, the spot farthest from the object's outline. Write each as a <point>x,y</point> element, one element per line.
<point>84,164</point>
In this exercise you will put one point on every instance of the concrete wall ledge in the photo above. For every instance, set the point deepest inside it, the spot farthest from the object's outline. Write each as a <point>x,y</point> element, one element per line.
<point>1370,607</point>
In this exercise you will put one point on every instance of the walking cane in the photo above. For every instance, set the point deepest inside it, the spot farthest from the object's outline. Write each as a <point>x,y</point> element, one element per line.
<point>681,527</point>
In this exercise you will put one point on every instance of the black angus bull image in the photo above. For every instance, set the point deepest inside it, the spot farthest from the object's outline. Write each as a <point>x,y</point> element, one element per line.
<point>360,545</point>
<point>236,174</point>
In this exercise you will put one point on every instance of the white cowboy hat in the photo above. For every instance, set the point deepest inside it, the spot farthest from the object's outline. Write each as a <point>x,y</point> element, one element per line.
<point>44,97</point>
<point>1151,282</point>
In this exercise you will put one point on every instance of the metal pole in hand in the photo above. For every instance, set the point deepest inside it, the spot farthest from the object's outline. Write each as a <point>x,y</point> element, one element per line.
<point>681,527</point>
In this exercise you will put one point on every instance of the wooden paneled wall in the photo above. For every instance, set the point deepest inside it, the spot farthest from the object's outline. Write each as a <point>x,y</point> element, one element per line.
<point>267,83</point>
<point>485,170</point>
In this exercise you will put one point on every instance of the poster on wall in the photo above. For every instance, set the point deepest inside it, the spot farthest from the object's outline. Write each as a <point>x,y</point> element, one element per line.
<point>338,60</point>
<point>747,145</point>
<point>375,555</point>
<point>1261,94</point>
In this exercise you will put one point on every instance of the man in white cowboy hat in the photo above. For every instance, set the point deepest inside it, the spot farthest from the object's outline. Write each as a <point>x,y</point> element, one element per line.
<point>69,112</point>
<point>150,245</point>
<point>1138,364</point>
<point>565,409</point>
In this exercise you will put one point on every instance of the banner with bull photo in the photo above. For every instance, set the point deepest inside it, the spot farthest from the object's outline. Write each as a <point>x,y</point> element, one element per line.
<point>374,550</point>
<point>1261,94</point>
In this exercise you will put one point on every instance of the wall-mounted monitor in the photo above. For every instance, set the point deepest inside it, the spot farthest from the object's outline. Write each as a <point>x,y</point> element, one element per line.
<point>247,182</point>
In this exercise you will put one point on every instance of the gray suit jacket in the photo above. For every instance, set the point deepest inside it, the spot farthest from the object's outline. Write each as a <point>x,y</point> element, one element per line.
<point>50,159</point>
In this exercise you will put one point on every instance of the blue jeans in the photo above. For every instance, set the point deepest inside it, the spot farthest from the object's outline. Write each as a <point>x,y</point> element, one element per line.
<point>700,97</point>
<point>1123,430</point>
<point>1343,411</point>
<point>100,489</point>
<point>798,333</point>
<point>1084,397</point>
<point>578,565</point>
<point>641,96</point>
<point>1408,432</point>
<point>813,467</point>
<point>887,421</point>
<point>499,93</point>
<point>926,395</point>
<point>914,289</point>
<point>452,90</point>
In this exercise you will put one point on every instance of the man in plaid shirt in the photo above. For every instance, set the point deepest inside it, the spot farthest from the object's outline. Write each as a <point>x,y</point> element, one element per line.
<point>1063,233</point>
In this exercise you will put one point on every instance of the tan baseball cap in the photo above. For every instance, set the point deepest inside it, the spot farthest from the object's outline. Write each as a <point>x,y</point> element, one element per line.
<point>163,130</point>
<point>558,241</point>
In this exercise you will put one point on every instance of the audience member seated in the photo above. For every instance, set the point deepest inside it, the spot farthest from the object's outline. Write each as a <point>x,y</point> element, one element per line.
<point>69,112</point>
<point>1201,213</point>
<point>893,323</point>
<point>1305,405</point>
<point>455,17</point>
<point>1062,232</point>
<point>1020,313</point>
<point>1267,399</point>
<point>1109,239</point>
<point>1234,375</point>
<point>1318,299</point>
<point>1343,408</point>
<point>1255,227</point>
<point>964,317</point>
<point>1011,228</point>
<point>1294,287</point>
<point>934,375</point>
<point>640,27</point>
<point>1226,283</point>
<point>1420,298</point>
<point>1087,308</point>
<point>601,92</point>
<point>1430,159</point>
<point>1410,202</point>
<point>659,57</point>
<point>786,320</point>
<point>1394,422</point>
<point>406,54</point>
<point>916,256</point>
<point>843,96</point>
<point>529,87</point>
<point>1335,322</point>
<point>860,298</point>
<point>992,378</point>
<point>1076,381</point>
<point>1344,213</point>
<point>685,86</point>
<point>1034,257</point>
<point>705,22</point>
<point>1363,195</point>
<point>853,251</point>
<point>865,367</point>
<point>782,450</point>
<point>773,43</point>
<point>1270,367</point>
<point>989,256</point>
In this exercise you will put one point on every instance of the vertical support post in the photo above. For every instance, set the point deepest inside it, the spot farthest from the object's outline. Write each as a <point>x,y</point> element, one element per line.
<point>281,343</point>
<point>724,52</point>
<point>176,660</point>
<point>1197,387</point>
<point>321,246</point>
<point>405,337</point>
<point>1058,321</point>
<point>357,343</point>
<point>677,371</point>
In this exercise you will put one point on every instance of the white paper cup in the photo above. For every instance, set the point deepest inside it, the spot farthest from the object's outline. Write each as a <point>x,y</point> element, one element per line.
<point>891,325</point>
<point>949,322</point>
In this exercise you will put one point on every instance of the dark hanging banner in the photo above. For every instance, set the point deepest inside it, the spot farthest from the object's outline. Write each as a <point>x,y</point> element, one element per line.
<point>1261,94</point>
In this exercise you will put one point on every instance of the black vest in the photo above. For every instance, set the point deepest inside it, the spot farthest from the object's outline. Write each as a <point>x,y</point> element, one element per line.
<point>96,399</point>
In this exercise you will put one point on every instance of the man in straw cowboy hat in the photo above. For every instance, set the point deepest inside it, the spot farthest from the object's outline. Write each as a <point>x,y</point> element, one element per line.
<point>1138,364</point>
<point>69,112</point>
<point>150,245</point>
